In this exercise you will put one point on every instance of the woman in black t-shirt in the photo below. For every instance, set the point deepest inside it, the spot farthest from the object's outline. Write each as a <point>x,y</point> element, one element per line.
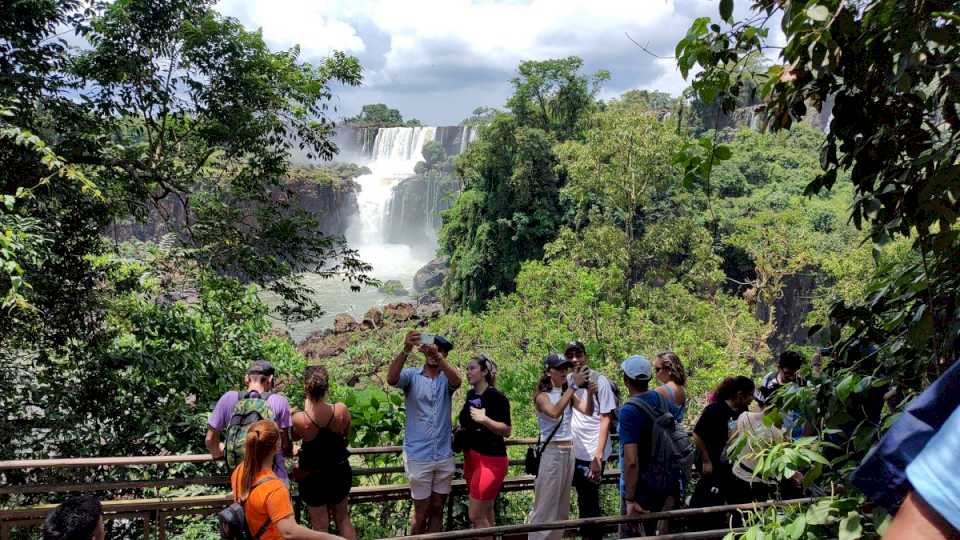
<point>484,421</point>
<point>717,421</point>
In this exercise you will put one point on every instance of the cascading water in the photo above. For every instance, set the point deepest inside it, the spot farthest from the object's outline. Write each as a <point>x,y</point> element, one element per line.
<point>391,155</point>
<point>395,153</point>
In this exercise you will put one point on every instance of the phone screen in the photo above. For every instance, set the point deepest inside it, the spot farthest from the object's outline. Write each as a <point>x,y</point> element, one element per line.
<point>426,339</point>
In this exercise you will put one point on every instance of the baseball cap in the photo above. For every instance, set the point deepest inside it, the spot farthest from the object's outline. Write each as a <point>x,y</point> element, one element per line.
<point>554,360</point>
<point>443,344</point>
<point>637,367</point>
<point>574,346</point>
<point>261,367</point>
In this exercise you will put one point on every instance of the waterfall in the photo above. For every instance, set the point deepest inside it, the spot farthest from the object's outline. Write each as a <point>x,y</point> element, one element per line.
<point>402,144</point>
<point>393,154</point>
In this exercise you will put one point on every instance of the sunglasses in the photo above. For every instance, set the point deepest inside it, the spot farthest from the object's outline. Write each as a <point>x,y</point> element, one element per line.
<point>659,369</point>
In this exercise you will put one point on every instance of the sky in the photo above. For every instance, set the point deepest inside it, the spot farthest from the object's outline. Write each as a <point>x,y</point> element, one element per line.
<point>437,60</point>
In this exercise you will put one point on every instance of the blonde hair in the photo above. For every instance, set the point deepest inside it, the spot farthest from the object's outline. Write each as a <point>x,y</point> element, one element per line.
<point>672,362</point>
<point>260,442</point>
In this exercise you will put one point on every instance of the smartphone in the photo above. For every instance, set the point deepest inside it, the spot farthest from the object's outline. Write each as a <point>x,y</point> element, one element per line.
<point>426,339</point>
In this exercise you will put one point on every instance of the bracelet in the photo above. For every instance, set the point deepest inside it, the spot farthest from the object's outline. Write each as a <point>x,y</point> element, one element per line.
<point>629,500</point>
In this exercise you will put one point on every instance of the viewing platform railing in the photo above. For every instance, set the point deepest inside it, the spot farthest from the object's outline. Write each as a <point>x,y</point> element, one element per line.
<point>154,512</point>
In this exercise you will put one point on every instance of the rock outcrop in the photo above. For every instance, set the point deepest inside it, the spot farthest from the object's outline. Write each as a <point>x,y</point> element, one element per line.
<point>393,287</point>
<point>373,319</point>
<point>399,312</point>
<point>430,276</point>
<point>344,322</point>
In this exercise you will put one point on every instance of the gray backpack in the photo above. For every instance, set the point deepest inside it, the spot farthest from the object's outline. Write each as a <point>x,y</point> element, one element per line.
<point>671,449</point>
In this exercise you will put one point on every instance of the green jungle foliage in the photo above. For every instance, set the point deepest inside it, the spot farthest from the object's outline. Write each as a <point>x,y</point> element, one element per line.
<point>615,223</point>
<point>510,205</point>
<point>894,136</point>
<point>379,115</point>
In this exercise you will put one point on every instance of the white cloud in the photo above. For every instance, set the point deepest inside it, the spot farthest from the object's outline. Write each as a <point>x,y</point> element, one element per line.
<point>433,56</point>
<point>312,24</point>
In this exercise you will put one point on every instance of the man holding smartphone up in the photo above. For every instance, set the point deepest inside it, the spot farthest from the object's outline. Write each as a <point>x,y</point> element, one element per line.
<point>591,438</point>
<point>427,444</point>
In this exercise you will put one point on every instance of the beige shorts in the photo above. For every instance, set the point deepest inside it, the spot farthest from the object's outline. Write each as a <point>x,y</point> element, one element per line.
<point>428,477</point>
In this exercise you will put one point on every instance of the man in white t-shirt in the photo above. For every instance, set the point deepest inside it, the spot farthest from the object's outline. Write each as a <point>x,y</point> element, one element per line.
<point>591,440</point>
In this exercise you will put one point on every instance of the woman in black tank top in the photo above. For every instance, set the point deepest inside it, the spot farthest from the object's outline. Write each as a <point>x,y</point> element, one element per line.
<point>323,471</point>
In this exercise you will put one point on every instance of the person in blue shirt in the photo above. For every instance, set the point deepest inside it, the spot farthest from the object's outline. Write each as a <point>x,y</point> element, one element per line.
<point>635,429</point>
<point>428,432</point>
<point>932,508</point>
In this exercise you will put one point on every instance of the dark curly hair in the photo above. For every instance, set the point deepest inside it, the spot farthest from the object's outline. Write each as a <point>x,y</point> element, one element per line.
<point>76,519</point>
<point>731,386</point>
<point>790,360</point>
<point>316,381</point>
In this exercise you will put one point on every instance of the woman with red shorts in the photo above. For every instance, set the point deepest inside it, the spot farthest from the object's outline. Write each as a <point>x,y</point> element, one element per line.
<point>485,421</point>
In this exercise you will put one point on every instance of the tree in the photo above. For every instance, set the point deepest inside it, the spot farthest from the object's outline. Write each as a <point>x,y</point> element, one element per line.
<point>625,168</point>
<point>652,100</point>
<point>379,115</point>
<point>888,69</point>
<point>553,96</point>
<point>480,116</point>
<point>170,101</point>
<point>510,207</point>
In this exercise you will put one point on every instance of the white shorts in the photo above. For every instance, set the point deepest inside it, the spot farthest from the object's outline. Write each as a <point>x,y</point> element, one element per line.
<point>427,477</point>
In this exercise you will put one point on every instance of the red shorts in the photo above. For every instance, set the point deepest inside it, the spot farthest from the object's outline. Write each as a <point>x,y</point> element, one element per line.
<point>484,474</point>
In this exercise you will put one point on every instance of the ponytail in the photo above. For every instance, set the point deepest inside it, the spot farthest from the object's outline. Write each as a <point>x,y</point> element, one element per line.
<point>544,384</point>
<point>731,386</point>
<point>260,442</point>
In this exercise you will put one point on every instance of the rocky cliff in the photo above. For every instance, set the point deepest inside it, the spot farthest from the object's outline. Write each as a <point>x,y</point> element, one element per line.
<point>329,193</point>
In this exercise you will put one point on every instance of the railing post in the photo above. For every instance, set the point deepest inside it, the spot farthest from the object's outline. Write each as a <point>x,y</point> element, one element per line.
<point>147,518</point>
<point>161,526</point>
<point>450,510</point>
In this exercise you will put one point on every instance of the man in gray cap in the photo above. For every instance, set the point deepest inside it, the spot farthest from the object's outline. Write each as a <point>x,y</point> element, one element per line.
<point>236,410</point>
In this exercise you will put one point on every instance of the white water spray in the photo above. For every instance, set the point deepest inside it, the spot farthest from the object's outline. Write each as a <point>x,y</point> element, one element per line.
<point>395,153</point>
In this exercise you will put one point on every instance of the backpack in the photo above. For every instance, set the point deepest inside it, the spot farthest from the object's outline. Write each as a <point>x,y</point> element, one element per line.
<point>615,413</point>
<point>671,450</point>
<point>233,519</point>
<point>251,408</point>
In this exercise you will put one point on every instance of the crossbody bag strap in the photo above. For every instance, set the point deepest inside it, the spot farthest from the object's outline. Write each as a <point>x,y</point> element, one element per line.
<point>554,432</point>
<point>263,528</point>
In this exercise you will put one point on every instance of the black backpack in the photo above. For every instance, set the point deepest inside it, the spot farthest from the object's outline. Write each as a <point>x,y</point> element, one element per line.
<point>671,450</point>
<point>233,519</point>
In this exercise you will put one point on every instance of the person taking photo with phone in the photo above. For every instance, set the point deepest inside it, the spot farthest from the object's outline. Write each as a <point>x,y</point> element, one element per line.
<point>591,438</point>
<point>552,401</point>
<point>427,434</point>
<point>484,423</point>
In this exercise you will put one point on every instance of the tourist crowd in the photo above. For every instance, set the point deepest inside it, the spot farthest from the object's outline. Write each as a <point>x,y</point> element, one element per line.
<point>578,411</point>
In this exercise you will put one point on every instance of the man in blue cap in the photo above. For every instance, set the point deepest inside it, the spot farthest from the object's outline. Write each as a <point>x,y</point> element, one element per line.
<point>636,435</point>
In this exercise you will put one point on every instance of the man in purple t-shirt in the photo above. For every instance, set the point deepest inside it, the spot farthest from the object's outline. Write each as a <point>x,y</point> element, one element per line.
<point>259,379</point>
